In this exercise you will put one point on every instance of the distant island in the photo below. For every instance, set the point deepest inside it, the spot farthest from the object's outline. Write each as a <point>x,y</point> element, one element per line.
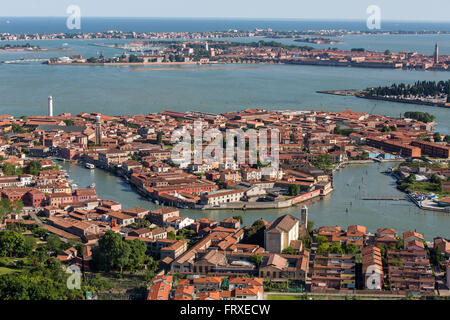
<point>432,93</point>
<point>319,40</point>
<point>257,52</point>
<point>20,47</point>
<point>230,33</point>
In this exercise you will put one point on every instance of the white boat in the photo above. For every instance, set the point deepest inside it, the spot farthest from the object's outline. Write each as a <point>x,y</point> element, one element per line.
<point>89,166</point>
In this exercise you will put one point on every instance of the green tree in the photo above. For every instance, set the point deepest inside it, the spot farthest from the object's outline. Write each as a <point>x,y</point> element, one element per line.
<point>171,235</point>
<point>5,208</point>
<point>46,282</point>
<point>152,267</point>
<point>137,254</point>
<point>39,255</point>
<point>435,179</point>
<point>323,161</point>
<point>17,206</point>
<point>54,244</point>
<point>310,226</point>
<point>306,242</point>
<point>256,259</point>
<point>8,169</point>
<point>12,243</point>
<point>336,248</point>
<point>17,128</point>
<point>420,116</point>
<point>294,189</point>
<point>255,234</point>
<point>112,252</point>
<point>321,239</point>
<point>288,250</point>
<point>159,137</point>
<point>34,167</point>
<point>437,137</point>
<point>29,245</point>
<point>351,248</point>
<point>323,248</point>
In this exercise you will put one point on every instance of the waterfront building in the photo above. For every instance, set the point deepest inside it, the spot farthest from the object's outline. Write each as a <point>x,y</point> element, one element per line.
<point>432,149</point>
<point>221,197</point>
<point>393,146</point>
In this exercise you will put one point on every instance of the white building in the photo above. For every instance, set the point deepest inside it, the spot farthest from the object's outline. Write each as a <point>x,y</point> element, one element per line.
<point>223,196</point>
<point>196,168</point>
<point>232,165</point>
<point>179,222</point>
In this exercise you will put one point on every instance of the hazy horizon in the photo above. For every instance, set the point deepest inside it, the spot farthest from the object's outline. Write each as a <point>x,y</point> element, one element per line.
<point>229,18</point>
<point>399,10</point>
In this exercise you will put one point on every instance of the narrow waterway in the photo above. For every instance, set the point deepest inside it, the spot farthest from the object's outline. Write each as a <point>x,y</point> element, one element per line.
<point>342,207</point>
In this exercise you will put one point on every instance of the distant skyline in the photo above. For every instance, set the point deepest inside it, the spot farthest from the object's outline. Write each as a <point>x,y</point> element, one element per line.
<point>398,10</point>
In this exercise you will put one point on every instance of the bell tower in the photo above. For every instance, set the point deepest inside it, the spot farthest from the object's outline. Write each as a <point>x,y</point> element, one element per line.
<point>304,216</point>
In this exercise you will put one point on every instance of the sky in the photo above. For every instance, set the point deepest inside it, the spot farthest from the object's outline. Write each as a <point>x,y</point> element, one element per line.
<point>398,10</point>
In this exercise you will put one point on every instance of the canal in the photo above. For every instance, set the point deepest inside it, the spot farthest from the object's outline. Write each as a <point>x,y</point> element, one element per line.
<point>342,207</point>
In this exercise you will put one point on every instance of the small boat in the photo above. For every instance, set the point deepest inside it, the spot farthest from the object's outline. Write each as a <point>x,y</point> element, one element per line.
<point>89,166</point>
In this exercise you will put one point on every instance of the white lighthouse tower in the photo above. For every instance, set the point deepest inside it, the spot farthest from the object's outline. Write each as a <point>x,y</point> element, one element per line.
<point>50,106</point>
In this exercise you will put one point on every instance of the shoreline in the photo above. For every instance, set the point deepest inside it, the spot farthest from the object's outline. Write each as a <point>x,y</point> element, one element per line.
<point>355,93</point>
<point>137,64</point>
<point>251,62</point>
<point>244,206</point>
<point>412,199</point>
<point>241,206</point>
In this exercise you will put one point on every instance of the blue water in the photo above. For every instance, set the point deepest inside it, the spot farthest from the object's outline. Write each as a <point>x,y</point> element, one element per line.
<point>90,24</point>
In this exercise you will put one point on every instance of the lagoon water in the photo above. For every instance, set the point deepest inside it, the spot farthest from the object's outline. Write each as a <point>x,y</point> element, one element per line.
<point>24,89</point>
<point>351,184</point>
